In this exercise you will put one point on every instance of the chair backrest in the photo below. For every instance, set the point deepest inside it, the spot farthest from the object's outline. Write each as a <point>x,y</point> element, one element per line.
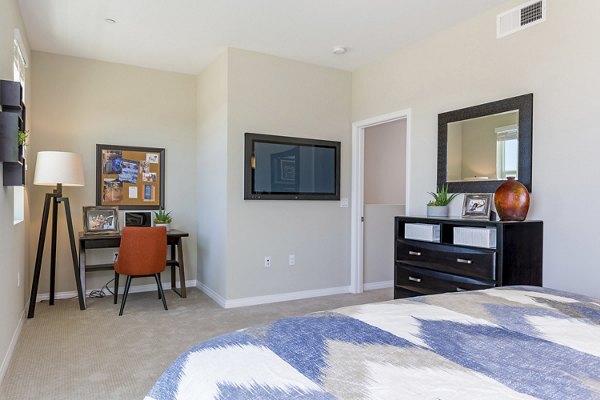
<point>143,251</point>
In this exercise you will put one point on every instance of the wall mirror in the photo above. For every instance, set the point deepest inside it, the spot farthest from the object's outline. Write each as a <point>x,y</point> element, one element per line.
<point>480,146</point>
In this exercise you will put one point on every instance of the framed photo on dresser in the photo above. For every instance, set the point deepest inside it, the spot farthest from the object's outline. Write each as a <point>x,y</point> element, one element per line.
<point>477,205</point>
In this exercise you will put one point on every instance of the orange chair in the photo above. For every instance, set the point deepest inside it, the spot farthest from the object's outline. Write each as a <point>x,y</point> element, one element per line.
<point>143,252</point>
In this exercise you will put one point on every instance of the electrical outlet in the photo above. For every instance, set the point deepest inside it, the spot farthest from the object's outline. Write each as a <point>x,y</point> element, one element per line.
<point>267,261</point>
<point>292,259</point>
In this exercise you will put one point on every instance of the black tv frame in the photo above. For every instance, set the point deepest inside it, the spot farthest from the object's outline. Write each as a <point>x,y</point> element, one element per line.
<point>251,138</point>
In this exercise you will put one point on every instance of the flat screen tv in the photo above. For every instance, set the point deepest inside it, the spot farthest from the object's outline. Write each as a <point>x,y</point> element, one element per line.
<point>289,168</point>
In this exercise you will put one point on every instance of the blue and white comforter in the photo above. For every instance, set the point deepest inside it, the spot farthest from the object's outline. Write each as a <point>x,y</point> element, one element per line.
<point>503,343</point>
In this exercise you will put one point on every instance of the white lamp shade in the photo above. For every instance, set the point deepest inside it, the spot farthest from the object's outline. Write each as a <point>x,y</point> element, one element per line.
<point>53,167</point>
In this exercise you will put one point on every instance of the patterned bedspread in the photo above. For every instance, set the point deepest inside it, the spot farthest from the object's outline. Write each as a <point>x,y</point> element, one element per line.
<point>503,343</point>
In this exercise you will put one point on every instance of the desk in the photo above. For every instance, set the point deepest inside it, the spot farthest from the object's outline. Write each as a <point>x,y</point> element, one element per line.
<point>105,241</point>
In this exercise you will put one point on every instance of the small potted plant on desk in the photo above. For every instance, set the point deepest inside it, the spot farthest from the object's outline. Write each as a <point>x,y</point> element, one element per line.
<point>162,218</point>
<point>438,207</point>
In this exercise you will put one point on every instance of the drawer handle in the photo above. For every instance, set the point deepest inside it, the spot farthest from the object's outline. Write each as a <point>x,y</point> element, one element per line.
<point>459,289</point>
<point>463,260</point>
<point>414,253</point>
<point>412,278</point>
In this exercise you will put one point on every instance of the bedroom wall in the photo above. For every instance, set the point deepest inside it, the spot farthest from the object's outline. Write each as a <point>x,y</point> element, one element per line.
<point>558,61</point>
<point>79,103</point>
<point>13,243</point>
<point>277,96</point>
<point>212,167</point>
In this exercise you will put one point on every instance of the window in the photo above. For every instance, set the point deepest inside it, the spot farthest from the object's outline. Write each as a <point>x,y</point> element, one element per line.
<point>19,65</point>
<point>507,151</point>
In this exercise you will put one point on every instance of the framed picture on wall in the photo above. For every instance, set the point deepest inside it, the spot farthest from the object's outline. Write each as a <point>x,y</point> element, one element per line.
<point>132,178</point>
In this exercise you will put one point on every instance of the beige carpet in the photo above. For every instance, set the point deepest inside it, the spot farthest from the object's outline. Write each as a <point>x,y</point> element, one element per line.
<point>64,353</point>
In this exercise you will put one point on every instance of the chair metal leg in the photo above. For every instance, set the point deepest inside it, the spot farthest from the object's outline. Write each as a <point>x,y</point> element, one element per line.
<point>159,296</point>
<point>127,283</point>
<point>116,294</point>
<point>160,290</point>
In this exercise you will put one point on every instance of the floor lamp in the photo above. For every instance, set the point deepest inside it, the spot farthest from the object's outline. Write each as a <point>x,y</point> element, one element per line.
<point>56,168</point>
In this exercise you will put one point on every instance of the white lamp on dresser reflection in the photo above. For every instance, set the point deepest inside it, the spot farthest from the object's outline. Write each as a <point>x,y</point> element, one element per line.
<point>57,169</point>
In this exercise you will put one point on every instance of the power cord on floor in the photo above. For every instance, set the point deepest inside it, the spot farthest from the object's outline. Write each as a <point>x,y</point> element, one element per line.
<point>99,293</point>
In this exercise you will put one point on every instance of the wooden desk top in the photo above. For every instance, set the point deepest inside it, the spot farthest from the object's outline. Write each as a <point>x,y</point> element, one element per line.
<point>172,233</point>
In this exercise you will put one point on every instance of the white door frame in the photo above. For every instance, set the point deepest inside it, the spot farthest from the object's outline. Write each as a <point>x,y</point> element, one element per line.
<point>357,199</point>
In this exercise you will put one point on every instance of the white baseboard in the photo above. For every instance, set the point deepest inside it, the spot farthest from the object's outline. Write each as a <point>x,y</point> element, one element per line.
<point>133,289</point>
<point>273,298</point>
<point>220,300</point>
<point>13,343</point>
<point>378,285</point>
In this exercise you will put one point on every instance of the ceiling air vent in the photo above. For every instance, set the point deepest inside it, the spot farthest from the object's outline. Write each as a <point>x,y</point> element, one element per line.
<point>521,17</point>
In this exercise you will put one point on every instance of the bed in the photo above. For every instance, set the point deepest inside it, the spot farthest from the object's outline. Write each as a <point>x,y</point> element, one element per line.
<point>515,342</point>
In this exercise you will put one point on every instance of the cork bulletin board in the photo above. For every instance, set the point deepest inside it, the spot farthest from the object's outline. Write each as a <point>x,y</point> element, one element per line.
<point>131,178</point>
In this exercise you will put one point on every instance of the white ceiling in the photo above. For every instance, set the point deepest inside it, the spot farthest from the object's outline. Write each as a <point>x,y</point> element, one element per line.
<point>186,35</point>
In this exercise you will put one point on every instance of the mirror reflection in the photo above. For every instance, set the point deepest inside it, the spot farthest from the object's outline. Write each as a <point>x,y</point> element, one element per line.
<point>484,148</point>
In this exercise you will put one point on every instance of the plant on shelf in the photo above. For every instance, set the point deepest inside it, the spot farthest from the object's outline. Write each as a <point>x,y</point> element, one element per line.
<point>162,218</point>
<point>438,207</point>
<point>22,137</point>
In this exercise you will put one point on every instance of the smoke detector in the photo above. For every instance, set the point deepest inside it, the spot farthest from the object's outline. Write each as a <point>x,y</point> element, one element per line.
<point>521,17</point>
<point>339,50</point>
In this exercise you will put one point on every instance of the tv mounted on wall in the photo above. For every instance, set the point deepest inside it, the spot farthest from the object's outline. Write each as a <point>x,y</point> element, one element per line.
<point>289,168</point>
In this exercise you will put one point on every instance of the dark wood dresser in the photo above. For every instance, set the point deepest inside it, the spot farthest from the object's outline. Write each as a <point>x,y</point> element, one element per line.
<point>429,267</point>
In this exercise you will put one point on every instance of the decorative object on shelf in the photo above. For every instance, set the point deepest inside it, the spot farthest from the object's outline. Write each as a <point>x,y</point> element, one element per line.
<point>512,200</point>
<point>22,139</point>
<point>162,218</point>
<point>100,220</point>
<point>477,205</point>
<point>438,207</point>
<point>132,178</point>
<point>60,169</point>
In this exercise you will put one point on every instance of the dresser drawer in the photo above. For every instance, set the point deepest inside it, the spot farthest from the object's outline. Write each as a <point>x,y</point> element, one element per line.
<point>426,281</point>
<point>475,263</point>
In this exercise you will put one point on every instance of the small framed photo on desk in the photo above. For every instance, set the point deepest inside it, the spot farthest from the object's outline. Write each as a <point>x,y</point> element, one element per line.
<point>100,220</point>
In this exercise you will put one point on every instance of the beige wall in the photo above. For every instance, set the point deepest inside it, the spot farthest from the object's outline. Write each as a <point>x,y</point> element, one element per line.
<point>385,163</point>
<point>79,103</point>
<point>13,238</point>
<point>211,185</point>
<point>558,61</point>
<point>278,96</point>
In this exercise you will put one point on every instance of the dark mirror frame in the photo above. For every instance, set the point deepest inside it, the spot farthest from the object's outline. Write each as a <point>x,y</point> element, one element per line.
<point>524,104</point>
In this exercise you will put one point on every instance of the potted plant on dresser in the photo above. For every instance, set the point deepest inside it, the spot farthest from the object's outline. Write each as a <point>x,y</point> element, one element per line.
<point>162,218</point>
<point>438,207</point>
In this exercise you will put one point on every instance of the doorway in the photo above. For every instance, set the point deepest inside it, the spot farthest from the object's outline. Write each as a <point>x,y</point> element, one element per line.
<point>380,186</point>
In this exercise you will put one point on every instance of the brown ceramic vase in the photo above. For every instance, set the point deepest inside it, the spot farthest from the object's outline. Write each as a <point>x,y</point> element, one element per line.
<point>512,200</point>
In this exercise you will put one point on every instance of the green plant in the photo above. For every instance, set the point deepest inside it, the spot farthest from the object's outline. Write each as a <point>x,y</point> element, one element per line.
<point>162,217</point>
<point>22,137</point>
<point>442,197</point>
